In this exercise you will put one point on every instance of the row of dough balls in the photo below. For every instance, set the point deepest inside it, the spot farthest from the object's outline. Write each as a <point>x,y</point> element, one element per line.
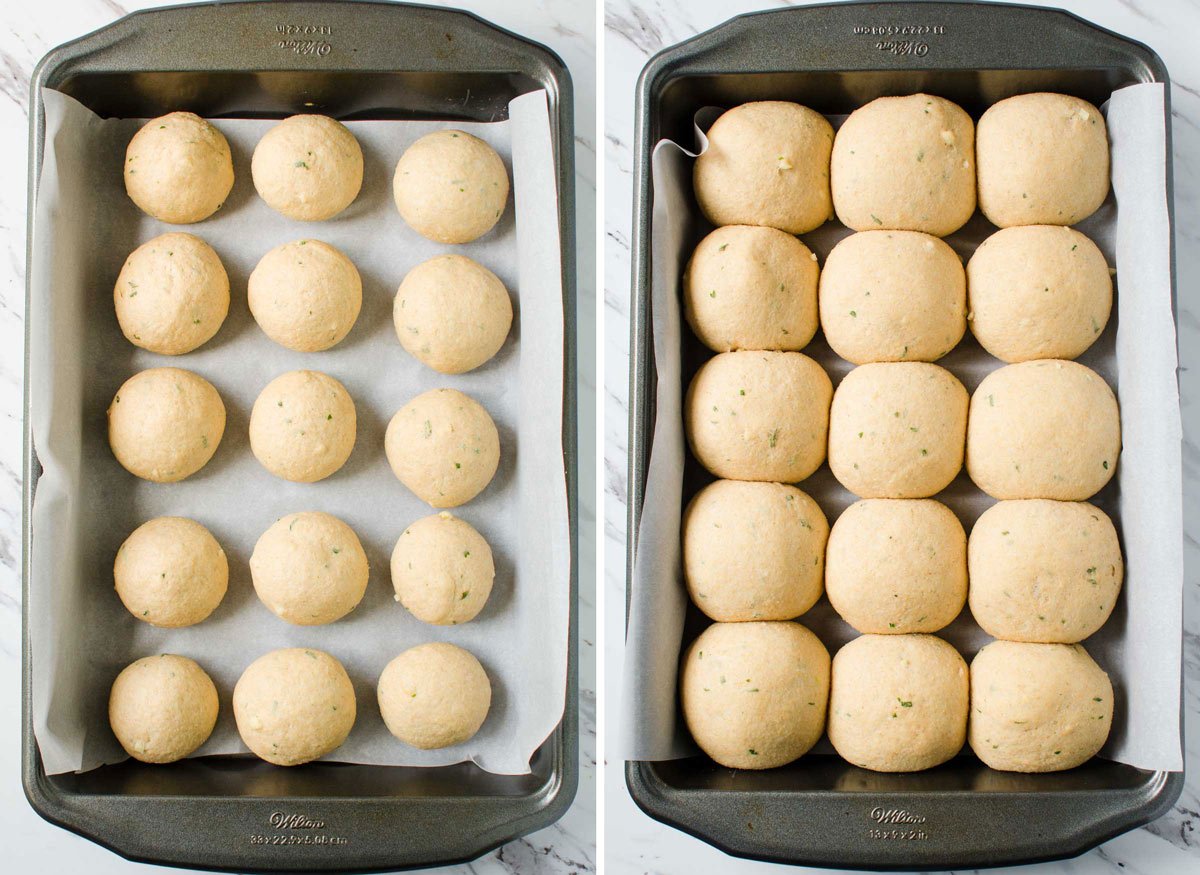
<point>449,186</point>
<point>760,695</point>
<point>164,425</point>
<point>1030,292</point>
<point>910,163</point>
<point>1037,429</point>
<point>297,704</point>
<point>172,296</point>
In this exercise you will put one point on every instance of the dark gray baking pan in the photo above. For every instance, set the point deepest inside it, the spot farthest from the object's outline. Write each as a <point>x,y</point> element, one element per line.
<point>821,811</point>
<point>351,60</point>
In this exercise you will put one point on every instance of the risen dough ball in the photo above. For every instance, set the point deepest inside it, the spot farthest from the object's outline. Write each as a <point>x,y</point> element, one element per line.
<point>308,167</point>
<point>907,163</point>
<point>759,415</point>
<point>897,566</point>
<point>1044,429</point>
<point>294,705</point>
<point>1044,570</point>
<point>751,288</point>
<point>165,424</point>
<point>305,295</point>
<point>1038,707</point>
<point>442,570</point>
<point>890,296</point>
<point>452,313</point>
<point>434,695</point>
<point>178,168</point>
<point>767,163</point>
<point>1038,292</point>
<point>172,294</point>
<point>450,187</point>
<point>309,568</point>
<point>753,551</point>
<point>896,430</point>
<point>898,703</point>
<point>443,446</point>
<point>303,425</point>
<point>162,708</point>
<point>1043,160</point>
<point>171,572</point>
<point>754,694</point>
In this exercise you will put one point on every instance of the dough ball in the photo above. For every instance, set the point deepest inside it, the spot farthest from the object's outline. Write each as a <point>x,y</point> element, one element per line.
<point>443,446</point>
<point>890,296</point>
<point>1038,292</point>
<point>172,294</point>
<point>308,167</point>
<point>1044,429</point>
<point>452,314</point>
<point>309,568</point>
<point>434,695</point>
<point>767,163</point>
<point>165,424</point>
<point>294,705</point>
<point>898,703</point>
<point>896,430</point>
<point>178,169</point>
<point>450,187</point>
<point>905,163</point>
<point>753,551</point>
<point>754,694</point>
<point>305,295</point>
<point>1045,571</point>
<point>751,288</point>
<point>442,570</point>
<point>1043,160</point>
<point>1038,707</point>
<point>171,572</point>
<point>897,566</point>
<point>759,415</point>
<point>303,425</point>
<point>162,708</point>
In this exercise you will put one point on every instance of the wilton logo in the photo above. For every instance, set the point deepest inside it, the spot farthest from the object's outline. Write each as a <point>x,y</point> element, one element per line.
<point>895,815</point>
<point>279,820</point>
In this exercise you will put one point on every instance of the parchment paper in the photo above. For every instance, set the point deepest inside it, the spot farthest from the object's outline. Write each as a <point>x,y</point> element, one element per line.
<point>86,504</point>
<point>1140,644</point>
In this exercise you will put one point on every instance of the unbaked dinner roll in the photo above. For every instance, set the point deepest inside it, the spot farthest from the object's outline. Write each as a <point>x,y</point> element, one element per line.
<point>305,295</point>
<point>890,296</point>
<point>759,415</point>
<point>1043,429</point>
<point>303,426</point>
<point>905,163</point>
<point>450,187</point>
<point>308,167</point>
<point>1046,571</point>
<point>897,566</point>
<point>178,168</point>
<point>162,708</point>
<point>1038,707</point>
<point>753,551</point>
<point>434,695</point>
<point>1043,160</point>
<point>767,163</point>
<point>164,424</point>
<point>898,703</point>
<point>754,694</point>
<point>294,705</point>
<point>171,572</point>
<point>442,570</point>
<point>896,430</point>
<point>1038,292</point>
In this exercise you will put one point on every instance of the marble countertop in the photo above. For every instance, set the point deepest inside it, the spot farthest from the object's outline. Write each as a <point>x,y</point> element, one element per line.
<point>634,31</point>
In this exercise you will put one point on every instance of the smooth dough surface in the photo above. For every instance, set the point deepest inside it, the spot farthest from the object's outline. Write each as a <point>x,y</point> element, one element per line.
<point>178,168</point>
<point>171,572</point>
<point>303,426</point>
<point>162,708</point>
<point>308,167</point>
<point>434,695</point>
<point>305,295</point>
<point>442,570</point>
<point>450,187</point>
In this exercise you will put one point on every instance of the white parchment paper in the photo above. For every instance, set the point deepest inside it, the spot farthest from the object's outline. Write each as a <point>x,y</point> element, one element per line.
<point>86,504</point>
<point>1140,645</point>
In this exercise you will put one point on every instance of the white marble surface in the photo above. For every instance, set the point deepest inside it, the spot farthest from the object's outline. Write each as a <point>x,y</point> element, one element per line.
<point>634,31</point>
<point>28,31</point>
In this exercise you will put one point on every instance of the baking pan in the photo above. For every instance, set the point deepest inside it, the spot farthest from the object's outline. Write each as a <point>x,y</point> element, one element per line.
<point>351,60</point>
<point>822,811</point>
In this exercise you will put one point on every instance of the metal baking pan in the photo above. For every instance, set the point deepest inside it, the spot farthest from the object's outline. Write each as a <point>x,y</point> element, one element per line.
<point>821,811</point>
<point>351,60</point>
